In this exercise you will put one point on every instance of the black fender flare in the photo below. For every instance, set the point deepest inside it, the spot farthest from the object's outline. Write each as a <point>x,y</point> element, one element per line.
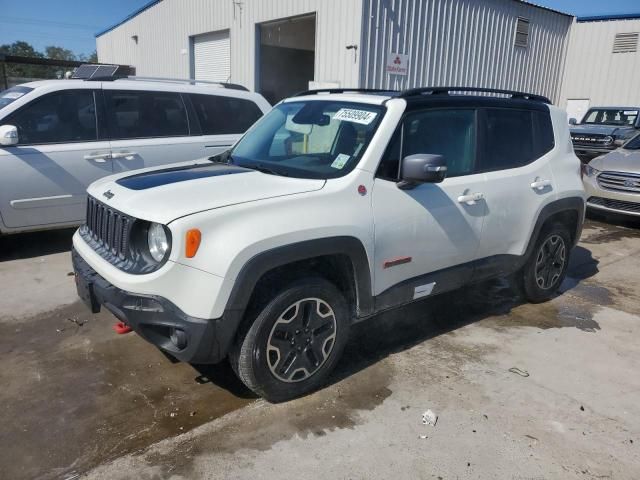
<point>259,265</point>
<point>568,204</point>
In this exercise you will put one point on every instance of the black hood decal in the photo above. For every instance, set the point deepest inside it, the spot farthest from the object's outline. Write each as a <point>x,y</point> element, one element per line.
<point>157,178</point>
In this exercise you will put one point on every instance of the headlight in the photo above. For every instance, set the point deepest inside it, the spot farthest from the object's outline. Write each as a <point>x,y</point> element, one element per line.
<point>608,140</point>
<point>589,171</point>
<point>158,242</point>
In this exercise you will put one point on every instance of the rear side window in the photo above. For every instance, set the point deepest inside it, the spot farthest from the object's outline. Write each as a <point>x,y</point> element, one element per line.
<point>135,114</point>
<point>224,115</point>
<point>514,138</point>
<point>60,117</point>
<point>542,134</point>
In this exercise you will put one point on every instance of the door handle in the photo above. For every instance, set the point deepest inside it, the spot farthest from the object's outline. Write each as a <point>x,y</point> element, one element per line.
<point>540,184</point>
<point>471,198</point>
<point>98,157</point>
<point>127,155</point>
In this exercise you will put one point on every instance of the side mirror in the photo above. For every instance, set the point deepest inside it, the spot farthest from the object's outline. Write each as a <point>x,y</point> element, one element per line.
<point>573,121</point>
<point>422,168</point>
<point>8,135</point>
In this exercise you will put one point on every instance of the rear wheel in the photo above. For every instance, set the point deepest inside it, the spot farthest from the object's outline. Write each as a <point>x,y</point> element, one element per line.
<point>294,342</point>
<point>545,270</point>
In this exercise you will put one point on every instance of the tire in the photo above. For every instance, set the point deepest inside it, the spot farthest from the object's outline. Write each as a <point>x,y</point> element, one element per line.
<point>546,268</point>
<point>294,342</point>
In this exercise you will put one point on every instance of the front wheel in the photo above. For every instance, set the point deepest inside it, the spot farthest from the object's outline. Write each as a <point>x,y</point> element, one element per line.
<point>545,270</point>
<point>294,342</point>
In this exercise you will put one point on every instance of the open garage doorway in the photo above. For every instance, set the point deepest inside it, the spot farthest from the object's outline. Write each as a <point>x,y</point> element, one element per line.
<point>286,56</point>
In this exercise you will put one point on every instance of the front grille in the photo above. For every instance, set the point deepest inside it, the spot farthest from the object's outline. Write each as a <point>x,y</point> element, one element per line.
<point>620,181</point>
<point>108,228</point>
<point>620,205</point>
<point>591,140</point>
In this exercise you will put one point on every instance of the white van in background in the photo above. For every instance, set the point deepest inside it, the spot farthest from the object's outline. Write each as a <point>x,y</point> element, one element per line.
<point>58,136</point>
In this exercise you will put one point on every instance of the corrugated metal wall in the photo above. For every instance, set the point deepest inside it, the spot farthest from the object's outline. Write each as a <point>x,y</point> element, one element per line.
<point>164,31</point>
<point>463,43</point>
<point>594,72</point>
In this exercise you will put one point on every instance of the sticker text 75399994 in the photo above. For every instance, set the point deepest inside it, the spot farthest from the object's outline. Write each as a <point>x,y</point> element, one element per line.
<point>363,117</point>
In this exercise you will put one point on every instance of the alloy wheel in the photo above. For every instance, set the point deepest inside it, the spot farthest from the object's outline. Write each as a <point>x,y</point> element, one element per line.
<point>301,340</point>
<point>550,262</point>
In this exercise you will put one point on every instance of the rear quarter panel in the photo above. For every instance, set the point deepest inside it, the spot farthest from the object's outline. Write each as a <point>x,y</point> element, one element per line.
<point>566,165</point>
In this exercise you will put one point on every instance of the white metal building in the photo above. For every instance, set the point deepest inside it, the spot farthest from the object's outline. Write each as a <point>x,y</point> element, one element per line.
<point>603,64</point>
<point>279,47</point>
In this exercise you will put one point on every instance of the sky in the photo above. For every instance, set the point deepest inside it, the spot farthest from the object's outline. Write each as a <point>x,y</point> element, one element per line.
<point>72,24</point>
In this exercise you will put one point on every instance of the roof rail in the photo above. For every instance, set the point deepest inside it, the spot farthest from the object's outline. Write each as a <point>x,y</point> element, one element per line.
<point>189,81</point>
<point>412,92</point>
<point>345,90</point>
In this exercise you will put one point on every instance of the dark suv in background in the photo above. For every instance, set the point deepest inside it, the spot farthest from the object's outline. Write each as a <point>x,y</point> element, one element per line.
<point>603,129</point>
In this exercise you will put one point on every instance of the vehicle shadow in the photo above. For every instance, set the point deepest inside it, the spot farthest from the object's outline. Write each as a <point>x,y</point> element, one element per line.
<point>35,244</point>
<point>616,219</point>
<point>223,376</point>
<point>401,329</point>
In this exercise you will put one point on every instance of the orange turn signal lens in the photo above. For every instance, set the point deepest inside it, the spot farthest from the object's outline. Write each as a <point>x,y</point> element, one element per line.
<point>193,242</point>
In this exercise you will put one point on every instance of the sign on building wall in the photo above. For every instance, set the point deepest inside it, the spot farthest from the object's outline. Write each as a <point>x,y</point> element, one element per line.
<point>397,63</point>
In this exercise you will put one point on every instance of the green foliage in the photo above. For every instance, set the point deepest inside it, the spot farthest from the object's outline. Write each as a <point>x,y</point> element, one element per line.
<point>24,49</point>
<point>59,53</point>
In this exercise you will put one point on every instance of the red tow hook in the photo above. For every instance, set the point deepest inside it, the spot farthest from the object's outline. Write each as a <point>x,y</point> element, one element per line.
<point>121,328</point>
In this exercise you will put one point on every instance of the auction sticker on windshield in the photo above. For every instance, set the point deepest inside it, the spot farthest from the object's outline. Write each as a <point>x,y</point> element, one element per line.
<point>340,161</point>
<point>352,115</point>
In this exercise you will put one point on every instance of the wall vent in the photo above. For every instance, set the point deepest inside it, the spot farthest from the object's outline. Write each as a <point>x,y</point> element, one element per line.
<point>522,33</point>
<point>625,43</point>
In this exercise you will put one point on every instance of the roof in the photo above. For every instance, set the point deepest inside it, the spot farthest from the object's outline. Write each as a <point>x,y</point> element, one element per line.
<point>135,13</point>
<point>545,8</point>
<point>429,94</point>
<point>154,2</point>
<point>604,18</point>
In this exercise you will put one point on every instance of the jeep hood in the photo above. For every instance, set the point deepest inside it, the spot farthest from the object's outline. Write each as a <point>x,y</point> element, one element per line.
<point>619,160</point>
<point>165,194</point>
<point>600,129</point>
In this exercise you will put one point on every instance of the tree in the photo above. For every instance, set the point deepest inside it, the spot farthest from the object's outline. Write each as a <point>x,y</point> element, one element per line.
<point>23,49</point>
<point>93,58</point>
<point>59,53</point>
<point>20,48</point>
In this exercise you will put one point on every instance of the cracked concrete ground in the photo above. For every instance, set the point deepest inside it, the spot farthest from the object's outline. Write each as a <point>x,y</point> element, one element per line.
<point>79,400</point>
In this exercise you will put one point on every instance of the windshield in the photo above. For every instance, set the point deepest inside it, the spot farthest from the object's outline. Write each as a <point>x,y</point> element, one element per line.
<point>633,144</point>
<point>309,139</point>
<point>611,116</point>
<point>10,95</point>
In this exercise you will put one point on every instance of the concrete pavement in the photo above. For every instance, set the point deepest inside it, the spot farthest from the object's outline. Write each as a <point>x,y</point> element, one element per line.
<point>80,400</point>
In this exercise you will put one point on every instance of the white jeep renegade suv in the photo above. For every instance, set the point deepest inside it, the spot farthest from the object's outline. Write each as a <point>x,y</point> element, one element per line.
<point>333,207</point>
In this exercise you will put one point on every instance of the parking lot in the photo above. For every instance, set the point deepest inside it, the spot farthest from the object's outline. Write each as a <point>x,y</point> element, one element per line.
<point>521,391</point>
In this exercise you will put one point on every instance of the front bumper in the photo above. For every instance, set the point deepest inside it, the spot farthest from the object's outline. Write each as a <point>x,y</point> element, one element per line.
<point>605,200</point>
<point>154,318</point>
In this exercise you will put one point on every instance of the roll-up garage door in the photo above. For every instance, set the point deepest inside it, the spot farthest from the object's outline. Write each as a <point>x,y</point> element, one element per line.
<point>212,57</point>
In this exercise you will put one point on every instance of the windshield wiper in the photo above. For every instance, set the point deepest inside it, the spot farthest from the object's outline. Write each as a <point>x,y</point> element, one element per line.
<point>261,168</point>
<point>227,159</point>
